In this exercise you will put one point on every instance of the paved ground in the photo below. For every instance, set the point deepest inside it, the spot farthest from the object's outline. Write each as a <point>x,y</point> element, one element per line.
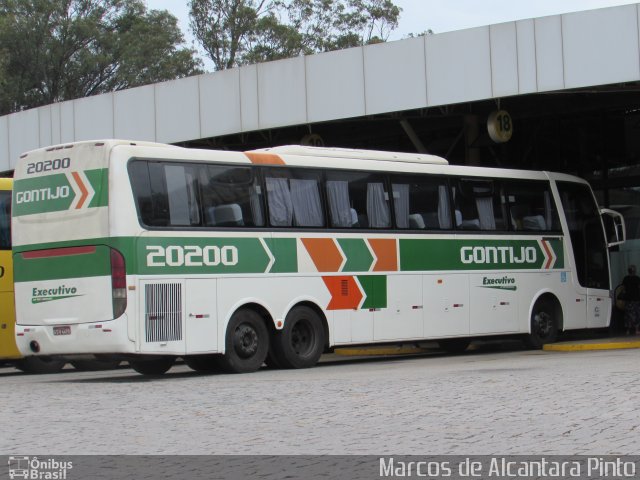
<point>484,402</point>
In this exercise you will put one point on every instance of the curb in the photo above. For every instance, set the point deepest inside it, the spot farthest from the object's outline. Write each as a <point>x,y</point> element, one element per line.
<point>592,346</point>
<point>379,351</point>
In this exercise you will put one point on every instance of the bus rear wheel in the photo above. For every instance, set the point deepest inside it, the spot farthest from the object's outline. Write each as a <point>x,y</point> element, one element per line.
<point>157,366</point>
<point>301,341</point>
<point>544,324</point>
<point>40,365</point>
<point>246,343</point>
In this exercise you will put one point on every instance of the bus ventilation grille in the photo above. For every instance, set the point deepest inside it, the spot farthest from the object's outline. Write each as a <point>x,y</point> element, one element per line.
<point>163,312</point>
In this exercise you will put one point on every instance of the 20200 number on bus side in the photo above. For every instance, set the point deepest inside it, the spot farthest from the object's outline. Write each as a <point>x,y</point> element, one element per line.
<point>233,259</point>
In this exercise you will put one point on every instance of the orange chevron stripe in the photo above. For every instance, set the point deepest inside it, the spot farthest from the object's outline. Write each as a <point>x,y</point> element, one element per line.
<point>385,250</point>
<point>264,158</point>
<point>324,253</point>
<point>83,189</point>
<point>549,254</point>
<point>345,293</point>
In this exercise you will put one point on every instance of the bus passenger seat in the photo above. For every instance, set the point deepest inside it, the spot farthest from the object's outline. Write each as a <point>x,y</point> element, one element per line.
<point>229,215</point>
<point>534,222</point>
<point>416,221</point>
<point>354,217</point>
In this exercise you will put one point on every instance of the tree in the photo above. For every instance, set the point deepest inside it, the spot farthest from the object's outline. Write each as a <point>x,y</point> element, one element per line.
<point>237,32</point>
<point>58,50</point>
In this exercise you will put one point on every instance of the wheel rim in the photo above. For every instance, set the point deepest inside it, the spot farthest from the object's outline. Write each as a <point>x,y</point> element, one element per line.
<point>302,338</point>
<point>543,324</point>
<point>245,341</point>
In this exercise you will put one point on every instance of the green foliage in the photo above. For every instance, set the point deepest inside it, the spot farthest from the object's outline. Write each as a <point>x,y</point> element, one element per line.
<point>238,32</point>
<point>55,50</point>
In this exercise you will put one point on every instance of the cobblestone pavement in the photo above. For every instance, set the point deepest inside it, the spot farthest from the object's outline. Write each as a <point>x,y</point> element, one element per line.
<point>495,402</point>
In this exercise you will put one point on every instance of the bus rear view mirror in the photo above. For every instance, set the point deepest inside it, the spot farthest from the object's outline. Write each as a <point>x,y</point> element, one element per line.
<point>614,227</point>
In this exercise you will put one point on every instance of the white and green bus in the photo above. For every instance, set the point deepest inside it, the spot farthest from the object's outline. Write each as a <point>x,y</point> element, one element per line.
<point>229,259</point>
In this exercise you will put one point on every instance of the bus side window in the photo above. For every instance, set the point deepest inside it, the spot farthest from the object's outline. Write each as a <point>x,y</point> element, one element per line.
<point>421,202</point>
<point>293,197</point>
<point>357,200</point>
<point>231,197</point>
<point>531,207</point>
<point>182,198</point>
<point>479,205</point>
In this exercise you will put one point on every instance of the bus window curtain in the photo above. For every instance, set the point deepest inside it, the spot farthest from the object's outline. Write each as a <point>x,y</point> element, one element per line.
<point>307,209</point>
<point>279,198</point>
<point>548,212</point>
<point>339,207</point>
<point>485,213</point>
<point>256,207</point>
<point>444,209</point>
<point>377,207</point>
<point>401,204</point>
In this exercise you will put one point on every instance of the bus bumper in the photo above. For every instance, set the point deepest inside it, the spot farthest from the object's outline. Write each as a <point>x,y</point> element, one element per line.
<point>84,338</point>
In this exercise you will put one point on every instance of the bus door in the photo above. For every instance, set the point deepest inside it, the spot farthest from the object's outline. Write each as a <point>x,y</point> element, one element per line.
<point>590,254</point>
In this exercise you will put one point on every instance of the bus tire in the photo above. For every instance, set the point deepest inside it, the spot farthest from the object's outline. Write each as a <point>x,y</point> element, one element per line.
<point>454,345</point>
<point>544,324</point>
<point>301,341</point>
<point>246,343</point>
<point>203,363</point>
<point>40,365</point>
<point>271,361</point>
<point>157,366</point>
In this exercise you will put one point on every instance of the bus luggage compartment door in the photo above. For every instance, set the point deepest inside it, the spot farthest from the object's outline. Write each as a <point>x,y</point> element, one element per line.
<point>446,305</point>
<point>201,323</point>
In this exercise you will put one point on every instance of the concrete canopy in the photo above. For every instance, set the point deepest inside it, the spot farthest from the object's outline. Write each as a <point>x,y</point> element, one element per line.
<point>560,77</point>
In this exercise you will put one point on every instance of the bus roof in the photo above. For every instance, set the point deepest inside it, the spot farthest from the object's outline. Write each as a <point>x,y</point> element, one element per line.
<point>352,153</point>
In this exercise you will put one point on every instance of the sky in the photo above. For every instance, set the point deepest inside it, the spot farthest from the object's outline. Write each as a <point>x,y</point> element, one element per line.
<point>439,15</point>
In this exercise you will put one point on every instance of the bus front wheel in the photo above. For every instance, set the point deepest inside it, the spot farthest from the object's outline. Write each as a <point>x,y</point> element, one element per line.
<point>544,324</point>
<point>301,341</point>
<point>157,366</point>
<point>246,343</point>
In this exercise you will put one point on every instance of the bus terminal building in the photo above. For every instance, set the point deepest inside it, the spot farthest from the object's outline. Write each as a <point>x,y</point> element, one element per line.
<point>559,93</point>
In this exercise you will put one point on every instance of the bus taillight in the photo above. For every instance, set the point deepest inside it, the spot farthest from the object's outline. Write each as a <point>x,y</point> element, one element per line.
<point>118,283</point>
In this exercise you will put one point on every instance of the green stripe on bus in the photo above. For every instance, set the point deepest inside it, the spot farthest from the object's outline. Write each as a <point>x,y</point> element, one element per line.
<point>99,179</point>
<point>232,255</point>
<point>478,254</point>
<point>95,264</point>
<point>375,290</point>
<point>359,258</point>
<point>285,254</point>
<point>55,193</point>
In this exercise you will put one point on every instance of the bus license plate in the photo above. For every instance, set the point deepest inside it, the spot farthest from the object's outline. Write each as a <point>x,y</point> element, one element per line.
<point>64,330</point>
